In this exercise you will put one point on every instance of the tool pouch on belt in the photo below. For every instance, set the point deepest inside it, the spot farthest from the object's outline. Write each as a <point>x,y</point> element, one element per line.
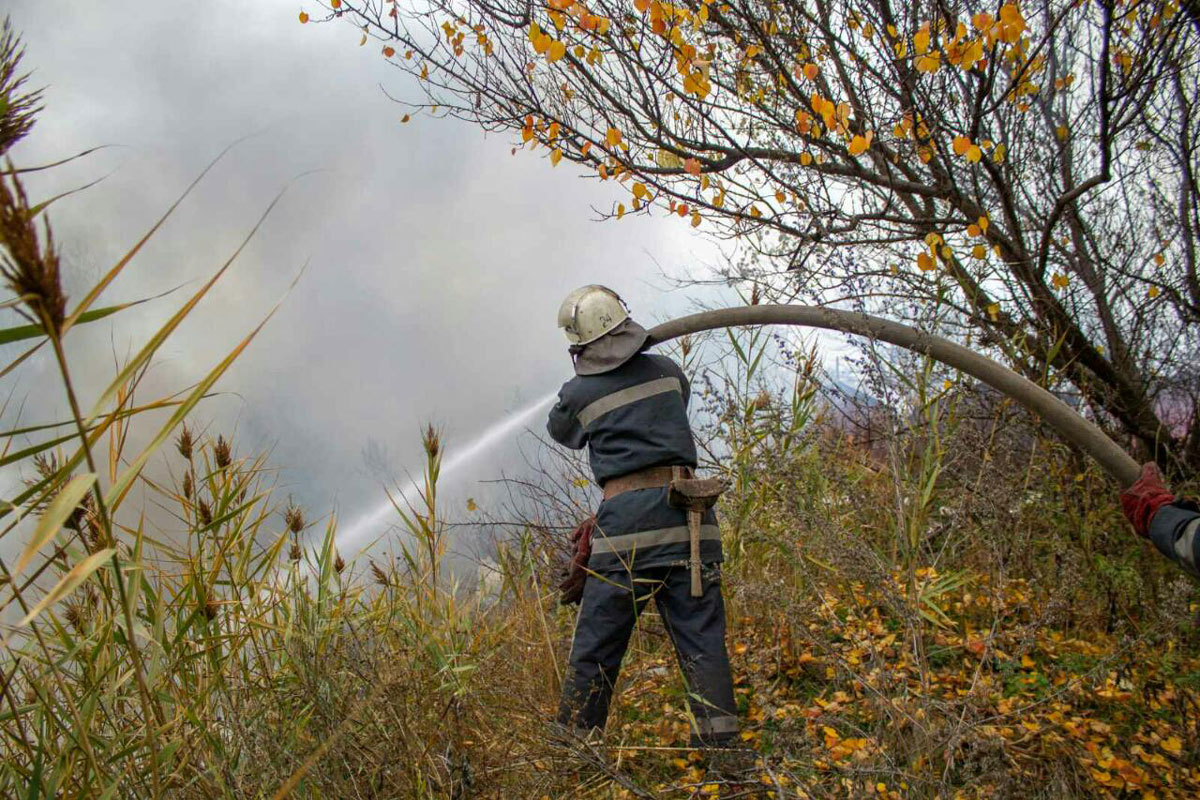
<point>570,591</point>
<point>696,496</point>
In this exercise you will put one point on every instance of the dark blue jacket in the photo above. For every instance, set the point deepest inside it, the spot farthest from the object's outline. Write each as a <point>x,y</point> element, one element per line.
<point>1173,531</point>
<point>631,418</point>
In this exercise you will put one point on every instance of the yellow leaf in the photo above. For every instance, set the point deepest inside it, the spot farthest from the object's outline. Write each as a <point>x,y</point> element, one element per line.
<point>1061,132</point>
<point>556,157</point>
<point>974,154</point>
<point>998,154</point>
<point>1172,745</point>
<point>620,210</point>
<point>979,251</point>
<point>930,63</point>
<point>695,219</point>
<point>1159,258</point>
<point>859,145</point>
<point>471,504</point>
<point>1153,292</point>
<point>811,71</point>
<point>779,197</point>
<point>994,311</point>
<point>805,158</point>
<point>556,51</point>
<point>613,137</point>
<point>982,222</point>
<point>754,212</point>
<point>921,40</point>
<point>925,262</point>
<point>640,191</point>
<point>961,145</point>
<point>1061,281</point>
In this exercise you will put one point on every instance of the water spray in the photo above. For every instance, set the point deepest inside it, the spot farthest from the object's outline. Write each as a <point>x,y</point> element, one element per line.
<point>357,532</point>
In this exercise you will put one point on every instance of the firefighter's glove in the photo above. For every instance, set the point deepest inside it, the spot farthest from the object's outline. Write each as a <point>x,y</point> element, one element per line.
<point>1147,495</point>
<point>571,589</point>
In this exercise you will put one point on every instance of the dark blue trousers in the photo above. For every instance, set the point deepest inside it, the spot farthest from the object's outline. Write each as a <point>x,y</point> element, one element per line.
<point>610,607</point>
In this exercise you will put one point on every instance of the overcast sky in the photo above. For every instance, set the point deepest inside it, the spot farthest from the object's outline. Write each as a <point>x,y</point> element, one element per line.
<point>436,260</point>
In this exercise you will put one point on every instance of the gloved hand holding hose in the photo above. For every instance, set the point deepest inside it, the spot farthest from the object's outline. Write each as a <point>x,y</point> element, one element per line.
<point>1156,514</point>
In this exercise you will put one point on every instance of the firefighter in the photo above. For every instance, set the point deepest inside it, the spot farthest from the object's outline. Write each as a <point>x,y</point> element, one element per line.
<point>629,409</point>
<point>1168,522</point>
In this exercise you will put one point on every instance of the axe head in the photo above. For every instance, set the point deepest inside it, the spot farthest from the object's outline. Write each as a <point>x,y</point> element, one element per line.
<point>695,494</point>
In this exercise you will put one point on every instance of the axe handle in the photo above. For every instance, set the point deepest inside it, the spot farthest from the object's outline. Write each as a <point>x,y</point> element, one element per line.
<point>694,518</point>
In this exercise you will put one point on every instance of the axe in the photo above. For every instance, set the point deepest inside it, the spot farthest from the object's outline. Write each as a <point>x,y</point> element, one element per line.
<point>695,495</point>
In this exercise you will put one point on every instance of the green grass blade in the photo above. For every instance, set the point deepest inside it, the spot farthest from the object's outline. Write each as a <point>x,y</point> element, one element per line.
<point>71,581</point>
<point>60,508</point>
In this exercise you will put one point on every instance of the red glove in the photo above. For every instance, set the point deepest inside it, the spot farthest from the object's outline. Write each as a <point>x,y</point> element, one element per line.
<point>571,589</point>
<point>1147,495</point>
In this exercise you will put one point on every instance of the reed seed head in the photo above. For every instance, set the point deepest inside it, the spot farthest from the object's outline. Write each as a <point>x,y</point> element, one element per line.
<point>221,453</point>
<point>338,563</point>
<point>379,575</point>
<point>210,609</point>
<point>685,345</point>
<point>204,512</point>
<point>20,105</point>
<point>185,442</point>
<point>294,553</point>
<point>188,486</point>
<point>46,465</point>
<point>431,441</point>
<point>74,615</point>
<point>30,266</point>
<point>294,518</point>
<point>755,295</point>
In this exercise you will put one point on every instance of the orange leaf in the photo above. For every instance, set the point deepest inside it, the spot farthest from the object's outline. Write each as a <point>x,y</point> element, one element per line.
<point>811,71</point>
<point>388,52</point>
<point>961,145</point>
<point>691,166</point>
<point>303,17</point>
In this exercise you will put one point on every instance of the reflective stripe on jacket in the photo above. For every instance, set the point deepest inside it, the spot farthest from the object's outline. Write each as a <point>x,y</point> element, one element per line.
<point>631,418</point>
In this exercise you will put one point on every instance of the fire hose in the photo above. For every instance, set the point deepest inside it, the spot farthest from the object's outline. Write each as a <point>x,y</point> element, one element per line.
<point>1061,417</point>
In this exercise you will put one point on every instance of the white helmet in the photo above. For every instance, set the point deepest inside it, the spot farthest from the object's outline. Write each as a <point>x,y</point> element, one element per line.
<point>589,312</point>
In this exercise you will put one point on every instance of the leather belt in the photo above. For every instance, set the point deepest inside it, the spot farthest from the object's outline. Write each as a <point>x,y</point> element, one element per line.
<point>650,478</point>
